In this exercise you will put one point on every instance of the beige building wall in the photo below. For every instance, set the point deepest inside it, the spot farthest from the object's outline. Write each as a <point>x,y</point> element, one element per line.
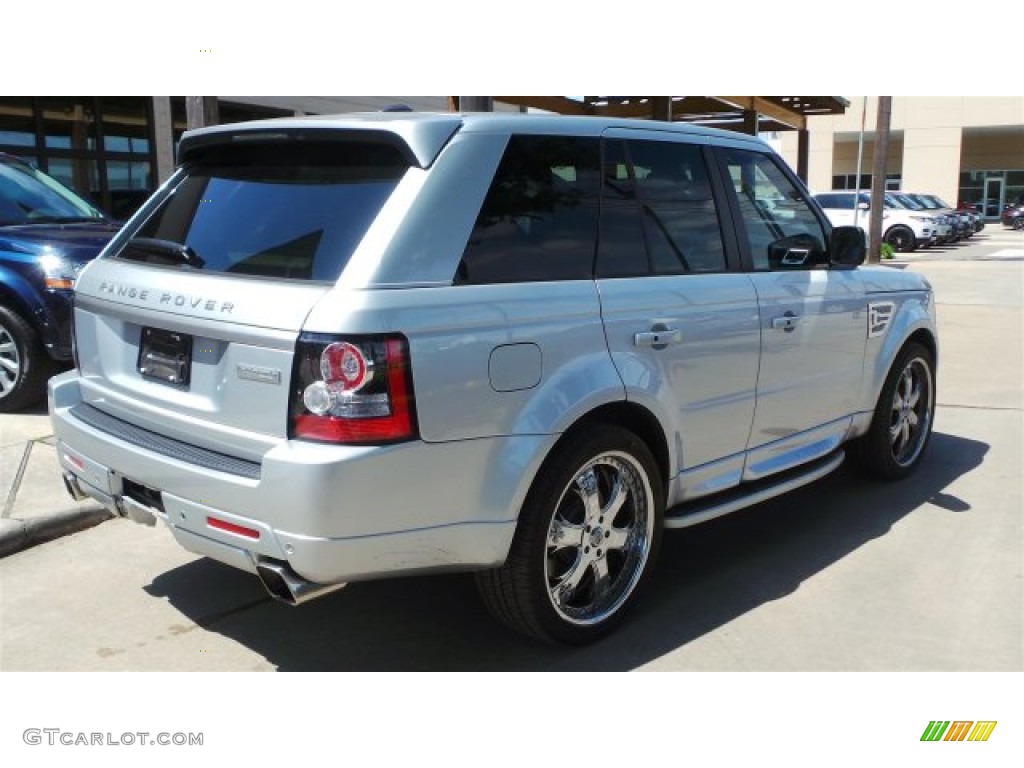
<point>926,112</point>
<point>819,163</point>
<point>933,138</point>
<point>931,161</point>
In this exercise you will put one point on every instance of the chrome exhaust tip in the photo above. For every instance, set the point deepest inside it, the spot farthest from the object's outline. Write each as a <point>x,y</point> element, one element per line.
<point>286,586</point>
<point>73,488</point>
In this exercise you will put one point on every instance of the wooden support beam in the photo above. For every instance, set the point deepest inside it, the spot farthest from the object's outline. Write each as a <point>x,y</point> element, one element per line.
<point>767,108</point>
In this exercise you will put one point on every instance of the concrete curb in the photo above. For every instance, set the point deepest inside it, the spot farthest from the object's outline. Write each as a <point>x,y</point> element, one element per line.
<point>17,535</point>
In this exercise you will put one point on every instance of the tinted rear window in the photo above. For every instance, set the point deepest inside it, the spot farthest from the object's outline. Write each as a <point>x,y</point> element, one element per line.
<point>284,211</point>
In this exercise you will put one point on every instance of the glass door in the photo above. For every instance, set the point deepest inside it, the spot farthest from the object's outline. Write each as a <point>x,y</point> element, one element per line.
<point>993,199</point>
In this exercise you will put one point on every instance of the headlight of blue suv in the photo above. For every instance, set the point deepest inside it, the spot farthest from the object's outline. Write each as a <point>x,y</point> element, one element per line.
<point>59,272</point>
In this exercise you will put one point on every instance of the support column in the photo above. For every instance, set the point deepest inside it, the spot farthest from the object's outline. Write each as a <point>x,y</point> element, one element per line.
<point>803,151</point>
<point>750,122</point>
<point>661,108</point>
<point>476,103</point>
<point>163,138</point>
<point>201,111</point>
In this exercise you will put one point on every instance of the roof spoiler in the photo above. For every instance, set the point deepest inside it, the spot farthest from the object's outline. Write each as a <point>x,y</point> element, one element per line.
<point>419,137</point>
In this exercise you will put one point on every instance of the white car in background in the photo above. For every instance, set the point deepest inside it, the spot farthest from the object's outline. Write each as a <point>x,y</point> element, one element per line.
<point>903,229</point>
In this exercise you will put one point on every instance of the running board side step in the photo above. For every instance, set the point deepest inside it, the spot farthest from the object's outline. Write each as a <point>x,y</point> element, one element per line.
<point>694,512</point>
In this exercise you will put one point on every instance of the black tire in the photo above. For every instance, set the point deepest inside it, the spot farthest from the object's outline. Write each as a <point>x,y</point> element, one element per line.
<point>901,239</point>
<point>902,423</point>
<point>1018,223</point>
<point>24,365</point>
<point>561,539</point>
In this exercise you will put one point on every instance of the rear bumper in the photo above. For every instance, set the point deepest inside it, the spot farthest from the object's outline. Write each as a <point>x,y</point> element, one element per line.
<point>333,513</point>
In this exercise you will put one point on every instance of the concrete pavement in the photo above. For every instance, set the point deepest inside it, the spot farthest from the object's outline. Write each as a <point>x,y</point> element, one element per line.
<point>34,507</point>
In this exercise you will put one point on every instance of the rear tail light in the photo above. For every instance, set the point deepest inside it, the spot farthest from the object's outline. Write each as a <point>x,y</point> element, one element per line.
<point>355,390</point>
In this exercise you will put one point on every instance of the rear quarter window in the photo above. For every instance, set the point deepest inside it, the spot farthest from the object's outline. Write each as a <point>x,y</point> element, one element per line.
<point>539,219</point>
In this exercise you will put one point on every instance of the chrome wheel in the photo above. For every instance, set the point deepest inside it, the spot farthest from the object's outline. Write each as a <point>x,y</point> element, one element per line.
<point>911,414</point>
<point>599,538</point>
<point>10,362</point>
<point>587,539</point>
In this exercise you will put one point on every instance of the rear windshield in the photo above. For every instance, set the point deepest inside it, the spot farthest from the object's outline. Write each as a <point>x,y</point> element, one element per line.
<point>294,212</point>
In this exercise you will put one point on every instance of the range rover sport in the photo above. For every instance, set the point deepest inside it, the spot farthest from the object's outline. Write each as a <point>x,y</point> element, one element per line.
<point>345,348</point>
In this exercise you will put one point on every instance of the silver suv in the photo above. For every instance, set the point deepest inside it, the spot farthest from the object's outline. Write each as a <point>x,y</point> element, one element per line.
<point>346,348</point>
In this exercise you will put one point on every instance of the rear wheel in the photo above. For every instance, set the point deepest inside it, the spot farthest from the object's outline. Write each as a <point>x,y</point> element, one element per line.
<point>587,539</point>
<point>24,364</point>
<point>902,423</point>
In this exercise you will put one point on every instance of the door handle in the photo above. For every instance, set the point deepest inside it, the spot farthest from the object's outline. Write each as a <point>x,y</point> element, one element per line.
<point>787,322</point>
<point>658,339</point>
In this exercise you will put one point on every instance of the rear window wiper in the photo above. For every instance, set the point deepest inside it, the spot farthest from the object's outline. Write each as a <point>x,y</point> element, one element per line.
<point>164,252</point>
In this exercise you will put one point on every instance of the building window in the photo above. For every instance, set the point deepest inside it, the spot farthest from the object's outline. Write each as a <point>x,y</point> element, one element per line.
<point>101,147</point>
<point>849,181</point>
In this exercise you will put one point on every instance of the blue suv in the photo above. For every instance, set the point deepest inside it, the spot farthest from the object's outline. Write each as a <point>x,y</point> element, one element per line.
<point>47,235</point>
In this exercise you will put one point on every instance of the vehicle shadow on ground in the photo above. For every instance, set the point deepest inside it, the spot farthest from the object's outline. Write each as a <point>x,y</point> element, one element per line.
<point>707,576</point>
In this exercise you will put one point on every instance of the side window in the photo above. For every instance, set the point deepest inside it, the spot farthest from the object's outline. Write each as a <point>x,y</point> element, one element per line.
<point>539,218</point>
<point>657,215</point>
<point>781,228</point>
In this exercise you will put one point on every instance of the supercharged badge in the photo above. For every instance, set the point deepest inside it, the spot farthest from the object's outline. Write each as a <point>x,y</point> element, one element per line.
<point>258,373</point>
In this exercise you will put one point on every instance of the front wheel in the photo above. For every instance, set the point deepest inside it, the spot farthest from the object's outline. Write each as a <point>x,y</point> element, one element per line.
<point>901,239</point>
<point>902,423</point>
<point>24,364</point>
<point>588,536</point>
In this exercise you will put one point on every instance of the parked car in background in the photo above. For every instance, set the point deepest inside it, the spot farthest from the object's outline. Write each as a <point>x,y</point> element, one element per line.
<point>1013,216</point>
<point>977,213</point>
<point>963,224</point>
<point>47,235</point>
<point>946,229</point>
<point>517,345</point>
<point>903,229</point>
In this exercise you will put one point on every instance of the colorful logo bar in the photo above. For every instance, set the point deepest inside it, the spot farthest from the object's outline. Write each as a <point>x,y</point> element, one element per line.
<point>958,730</point>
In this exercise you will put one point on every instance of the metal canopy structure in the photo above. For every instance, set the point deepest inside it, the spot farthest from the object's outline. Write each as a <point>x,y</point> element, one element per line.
<point>772,113</point>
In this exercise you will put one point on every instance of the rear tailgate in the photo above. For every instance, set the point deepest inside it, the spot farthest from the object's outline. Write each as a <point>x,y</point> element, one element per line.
<point>187,326</point>
<point>237,338</point>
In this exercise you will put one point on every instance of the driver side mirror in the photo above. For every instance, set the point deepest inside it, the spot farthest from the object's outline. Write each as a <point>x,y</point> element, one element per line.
<point>847,247</point>
<point>863,206</point>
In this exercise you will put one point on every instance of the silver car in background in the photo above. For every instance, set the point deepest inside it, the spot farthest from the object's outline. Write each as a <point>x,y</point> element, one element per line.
<point>345,348</point>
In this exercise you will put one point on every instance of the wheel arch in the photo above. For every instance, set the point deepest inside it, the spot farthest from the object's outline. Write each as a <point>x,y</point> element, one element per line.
<point>630,416</point>
<point>919,332</point>
<point>17,296</point>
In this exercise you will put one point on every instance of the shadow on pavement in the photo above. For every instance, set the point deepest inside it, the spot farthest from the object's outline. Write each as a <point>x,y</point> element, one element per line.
<point>707,576</point>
